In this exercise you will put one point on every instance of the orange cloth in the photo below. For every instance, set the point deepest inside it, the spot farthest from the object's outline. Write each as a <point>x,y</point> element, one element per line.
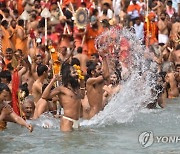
<point>6,63</point>
<point>56,63</point>
<point>20,7</point>
<point>21,44</point>
<point>90,39</point>
<point>153,32</point>
<point>133,7</point>
<point>13,38</point>
<point>78,39</point>
<point>6,42</point>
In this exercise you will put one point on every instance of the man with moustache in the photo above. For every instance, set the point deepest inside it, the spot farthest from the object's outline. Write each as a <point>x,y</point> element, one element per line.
<point>70,94</point>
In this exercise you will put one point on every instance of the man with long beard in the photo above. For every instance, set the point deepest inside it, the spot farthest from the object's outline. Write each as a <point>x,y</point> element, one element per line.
<point>70,94</point>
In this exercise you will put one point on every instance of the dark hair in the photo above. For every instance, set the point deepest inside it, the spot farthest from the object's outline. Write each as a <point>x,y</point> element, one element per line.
<point>4,23</point>
<point>79,50</point>
<point>41,69</point>
<point>178,47</point>
<point>44,87</point>
<point>65,71</point>
<point>91,66</point>
<point>75,61</point>
<point>9,50</point>
<point>24,87</point>
<point>95,54</point>
<point>1,17</point>
<point>15,11</point>
<point>3,86</point>
<point>6,10</point>
<point>6,75</point>
<point>83,4</point>
<point>21,22</point>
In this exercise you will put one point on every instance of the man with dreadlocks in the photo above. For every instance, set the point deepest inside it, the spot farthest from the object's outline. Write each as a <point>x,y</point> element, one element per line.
<point>70,94</point>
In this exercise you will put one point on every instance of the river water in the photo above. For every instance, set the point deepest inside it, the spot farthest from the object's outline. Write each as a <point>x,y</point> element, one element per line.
<point>109,139</point>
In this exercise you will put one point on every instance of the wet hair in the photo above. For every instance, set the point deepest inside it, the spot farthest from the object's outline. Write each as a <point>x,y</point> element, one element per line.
<point>79,50</point>
<point>6,75</point>
<point>41,69</point>
<point>3,86</point>
<point>24,87</point>
<point>91,66</point>
<point>65,71</point>
<point>67,78</point>
<point>75,61</point>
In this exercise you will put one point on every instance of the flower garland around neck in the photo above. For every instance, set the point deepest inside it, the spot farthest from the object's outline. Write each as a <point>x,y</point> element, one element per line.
<point>51,48</point>
<point>78,69</point>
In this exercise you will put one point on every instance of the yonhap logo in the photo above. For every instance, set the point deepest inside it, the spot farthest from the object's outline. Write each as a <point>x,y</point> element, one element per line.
<point>146,139</point>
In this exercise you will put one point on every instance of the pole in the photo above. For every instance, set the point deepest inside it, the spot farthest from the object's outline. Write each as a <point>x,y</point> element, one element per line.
<point>147,24</point>
<point>45,31</point>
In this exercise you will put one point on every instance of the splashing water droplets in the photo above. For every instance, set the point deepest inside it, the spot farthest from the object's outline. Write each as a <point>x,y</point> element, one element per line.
<point>136,91</point>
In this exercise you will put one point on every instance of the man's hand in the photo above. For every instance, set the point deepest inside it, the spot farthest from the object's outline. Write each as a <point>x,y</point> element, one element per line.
<point>30,127</point>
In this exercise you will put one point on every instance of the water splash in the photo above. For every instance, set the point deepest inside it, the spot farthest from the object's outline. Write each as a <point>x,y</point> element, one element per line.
<point>46,121</point>
<point>136,92</point>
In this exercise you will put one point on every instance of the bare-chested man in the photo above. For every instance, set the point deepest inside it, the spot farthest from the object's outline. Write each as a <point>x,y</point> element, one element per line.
<point>175,31</point>
<point>63,55</point>
<point>172,85</point>
<point>112,88</point>
<point>42,71</point>
<point>83,58</point>
<point>94,85</point>
<point>48,105</point>
<point>6,112</point>
<point>176,55</point>
<point>70,95</point>
<point>163,29</point>
<point>177,75</point>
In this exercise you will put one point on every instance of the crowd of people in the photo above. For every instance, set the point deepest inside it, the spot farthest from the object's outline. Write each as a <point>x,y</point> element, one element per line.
<point>63,72</point>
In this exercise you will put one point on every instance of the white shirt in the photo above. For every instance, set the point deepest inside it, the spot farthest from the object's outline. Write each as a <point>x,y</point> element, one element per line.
<point>116,6</point>
<point>109,13</point>
<point>139,31</point>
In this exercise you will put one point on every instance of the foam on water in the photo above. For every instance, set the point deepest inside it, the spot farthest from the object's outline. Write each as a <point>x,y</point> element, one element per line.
<point>135,93</point>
